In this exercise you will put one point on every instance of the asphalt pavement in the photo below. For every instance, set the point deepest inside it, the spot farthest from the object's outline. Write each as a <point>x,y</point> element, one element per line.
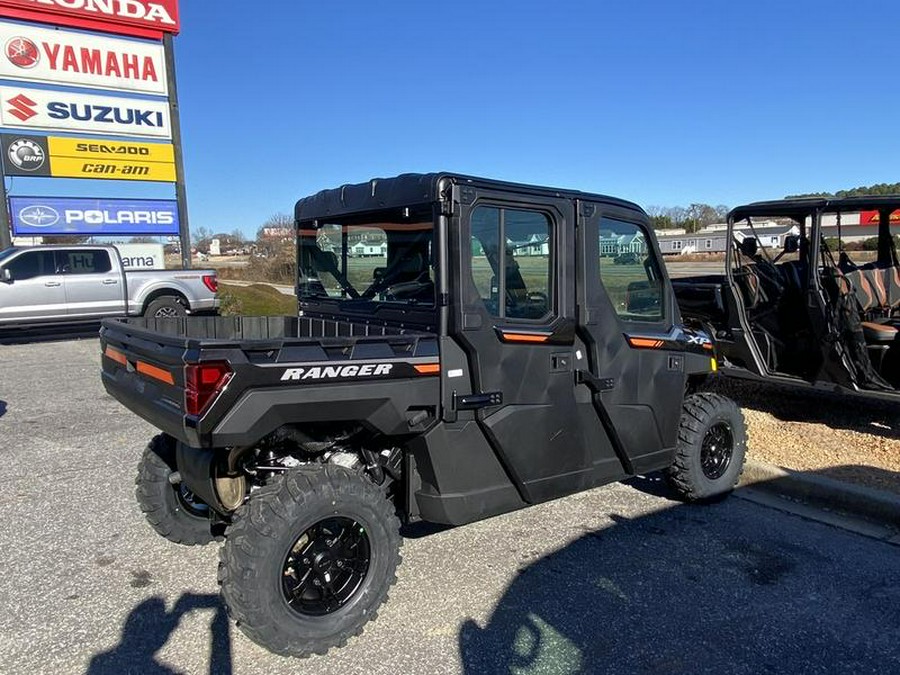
<point>620,579</point>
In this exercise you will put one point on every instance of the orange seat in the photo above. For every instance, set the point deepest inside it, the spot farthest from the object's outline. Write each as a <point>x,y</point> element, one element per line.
<point>879,332</point>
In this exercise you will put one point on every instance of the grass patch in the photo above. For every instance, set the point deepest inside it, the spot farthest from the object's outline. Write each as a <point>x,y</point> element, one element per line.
<point>255,300</point>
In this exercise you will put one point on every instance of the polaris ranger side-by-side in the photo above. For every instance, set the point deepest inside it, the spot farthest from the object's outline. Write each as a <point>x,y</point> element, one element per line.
<point>464,348</point>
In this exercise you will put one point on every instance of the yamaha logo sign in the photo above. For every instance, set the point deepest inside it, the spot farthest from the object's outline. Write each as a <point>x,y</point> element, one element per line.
<point>58,110</point>
<point>22,52</point>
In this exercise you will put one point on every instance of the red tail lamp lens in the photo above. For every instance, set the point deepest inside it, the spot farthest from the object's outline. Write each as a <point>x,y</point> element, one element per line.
<point>202,383</point>
<point>211,281</point>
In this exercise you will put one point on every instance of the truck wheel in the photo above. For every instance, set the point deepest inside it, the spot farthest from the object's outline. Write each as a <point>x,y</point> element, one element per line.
<point>712,442</point>
<point>172,510</point>
<point>309,560</point>
<point>165,306</point>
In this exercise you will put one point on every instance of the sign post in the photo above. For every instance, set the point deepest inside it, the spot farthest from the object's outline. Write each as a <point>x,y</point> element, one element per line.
<point>180,194</point>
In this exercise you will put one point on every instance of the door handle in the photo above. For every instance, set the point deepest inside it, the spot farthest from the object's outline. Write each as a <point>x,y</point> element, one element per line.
<point>110,282</point>
<point>52,283</point>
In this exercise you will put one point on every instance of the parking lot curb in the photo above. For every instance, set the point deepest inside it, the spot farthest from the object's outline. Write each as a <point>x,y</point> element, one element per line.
<point>823,492</point>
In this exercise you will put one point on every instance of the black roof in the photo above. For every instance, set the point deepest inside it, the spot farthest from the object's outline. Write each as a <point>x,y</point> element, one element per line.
<point>410,189</point>
<point>805,206</point>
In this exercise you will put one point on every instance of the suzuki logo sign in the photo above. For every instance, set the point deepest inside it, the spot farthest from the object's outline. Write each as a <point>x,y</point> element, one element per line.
<point>68,111</point>
<point>22,107</point>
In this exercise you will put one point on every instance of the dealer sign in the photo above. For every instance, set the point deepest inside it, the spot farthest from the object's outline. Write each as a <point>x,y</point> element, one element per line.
<point>26,108</point>
<point>59,157</point>
<point>63,57</point>
<point>38,216</point>
<point>140,18</point>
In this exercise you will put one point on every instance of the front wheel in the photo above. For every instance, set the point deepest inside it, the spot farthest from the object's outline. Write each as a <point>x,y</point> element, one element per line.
<point>712,443</point>
<point>172,510</point>
<point>309,560</point>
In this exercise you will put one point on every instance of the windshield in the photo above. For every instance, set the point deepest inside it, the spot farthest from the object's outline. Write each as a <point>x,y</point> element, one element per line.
<point>5,253</point>
<point>381,260</point>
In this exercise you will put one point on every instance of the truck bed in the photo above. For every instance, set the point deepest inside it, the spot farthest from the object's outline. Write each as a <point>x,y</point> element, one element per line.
<point>280,362</point>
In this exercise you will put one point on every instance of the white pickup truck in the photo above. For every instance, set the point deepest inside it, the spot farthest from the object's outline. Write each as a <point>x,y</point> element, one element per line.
<point>42,285</point>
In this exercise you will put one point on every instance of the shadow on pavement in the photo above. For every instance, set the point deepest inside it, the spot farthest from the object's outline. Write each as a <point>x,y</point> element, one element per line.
<point>2,408</point>
<point>688,590</point>
<point>49,334</point>
<point>148,628</point>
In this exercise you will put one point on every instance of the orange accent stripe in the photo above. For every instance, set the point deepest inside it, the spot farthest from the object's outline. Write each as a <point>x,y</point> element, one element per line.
<point>428,369</point>
<point>116,356</point>
<point>708,346</point>
<point>645,343</point>
<point>524,337</point>
<point>155,373</point>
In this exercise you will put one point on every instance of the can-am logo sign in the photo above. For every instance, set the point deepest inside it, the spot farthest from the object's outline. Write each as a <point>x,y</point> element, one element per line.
<point>57,215</point>
<point>143,18</point>
<point>57,110</point>
<point>65,57</point>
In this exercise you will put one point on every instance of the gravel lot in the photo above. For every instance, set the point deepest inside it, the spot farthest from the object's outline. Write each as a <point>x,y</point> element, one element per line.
<point>619,579</point>
<point>846,439</point>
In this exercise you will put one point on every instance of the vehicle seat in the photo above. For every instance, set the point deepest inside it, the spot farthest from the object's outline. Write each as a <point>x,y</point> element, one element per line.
<point>748,281</point>
<point>879,333</point>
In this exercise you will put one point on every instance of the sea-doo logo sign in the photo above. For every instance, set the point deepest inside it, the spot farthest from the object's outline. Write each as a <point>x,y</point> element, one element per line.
<point>40,109</point>
<point>39,216</point>
<point>131,17</point>
<point>26,154</point>
<point>22,108</point>
<point>36,54</point>
<point>336,372</point>
<point>22,52</point>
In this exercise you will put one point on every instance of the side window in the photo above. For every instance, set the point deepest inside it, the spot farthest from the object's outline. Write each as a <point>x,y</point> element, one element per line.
<point>32,264</point>
<point>629,271</point>
<point>512,261</point>
<point>85,262</point>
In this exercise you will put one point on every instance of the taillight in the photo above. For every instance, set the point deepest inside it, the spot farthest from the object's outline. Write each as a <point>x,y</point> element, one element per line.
<point>211,281</point>
<point>202,383</point>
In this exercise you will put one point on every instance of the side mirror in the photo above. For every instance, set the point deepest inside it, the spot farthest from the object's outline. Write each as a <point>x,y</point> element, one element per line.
<point>6,276</point>
<point>792,243</point>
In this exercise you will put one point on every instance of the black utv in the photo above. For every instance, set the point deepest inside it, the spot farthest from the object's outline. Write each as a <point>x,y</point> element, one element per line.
<point>464,348</point>
<point>808,312</point>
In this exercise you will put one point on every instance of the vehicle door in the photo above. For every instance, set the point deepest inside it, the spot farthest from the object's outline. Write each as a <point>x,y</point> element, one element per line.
<point>630,324</point>
<point>515,320</point>
<point>34,290</point>
<point>93,287</point>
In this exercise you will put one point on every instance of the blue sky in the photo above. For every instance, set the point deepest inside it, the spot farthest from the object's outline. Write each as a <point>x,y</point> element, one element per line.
<point>664,103</point>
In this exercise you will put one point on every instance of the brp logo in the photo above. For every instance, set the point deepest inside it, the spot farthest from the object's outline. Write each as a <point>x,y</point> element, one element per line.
<point>39,216</point>
<point>22,52</point>
<point>22,107</point>
<point>26,155</point>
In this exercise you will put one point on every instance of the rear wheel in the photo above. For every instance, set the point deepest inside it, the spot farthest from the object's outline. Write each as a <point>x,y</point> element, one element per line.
<point>165,306</point>
<point>172,510</point>
<point>712,443</point>
<point>310,559</point>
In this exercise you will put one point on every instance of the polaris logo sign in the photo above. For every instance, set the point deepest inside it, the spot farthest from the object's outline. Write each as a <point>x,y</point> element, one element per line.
<point>38,216</point>
<point>337,372</point>
<point>56,110</point>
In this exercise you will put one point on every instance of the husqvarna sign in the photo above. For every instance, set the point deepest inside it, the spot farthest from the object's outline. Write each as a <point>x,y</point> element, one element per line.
<point>26,108</point>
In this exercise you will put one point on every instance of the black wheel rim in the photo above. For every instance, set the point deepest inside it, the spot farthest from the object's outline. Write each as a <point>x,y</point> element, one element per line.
<point>326,566</point>
<point>190,502</point>
<point>717,450</point>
